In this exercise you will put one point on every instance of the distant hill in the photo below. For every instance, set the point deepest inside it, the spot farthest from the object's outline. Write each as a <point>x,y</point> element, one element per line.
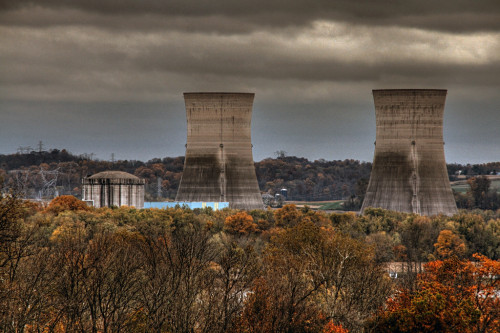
<point>305,180</point>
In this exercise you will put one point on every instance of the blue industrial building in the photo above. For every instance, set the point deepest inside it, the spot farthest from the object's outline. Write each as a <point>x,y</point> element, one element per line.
<point>190,205</point>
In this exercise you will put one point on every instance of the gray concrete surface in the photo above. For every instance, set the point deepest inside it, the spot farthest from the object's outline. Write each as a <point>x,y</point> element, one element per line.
<point>219,163</point>
<point>409,169</point>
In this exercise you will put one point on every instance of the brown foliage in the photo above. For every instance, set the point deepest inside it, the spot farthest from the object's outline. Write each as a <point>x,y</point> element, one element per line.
<point>449,245</point>
<point>64,203</point>
<point>451,296</point>
<point>240,224</point>
<point>312,275</point>
<point>177,270</point>
<point>288,216</point>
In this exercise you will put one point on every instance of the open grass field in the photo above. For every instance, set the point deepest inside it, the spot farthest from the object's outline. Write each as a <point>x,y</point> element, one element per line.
<point>321,205</point>
<point>461,186</point>
<point>338,205</point>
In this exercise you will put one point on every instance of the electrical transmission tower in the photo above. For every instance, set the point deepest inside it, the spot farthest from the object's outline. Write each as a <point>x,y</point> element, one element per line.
<point>49,182</point>
<point>40,146</point>
<point>21,178</point>
<point>24,149</point>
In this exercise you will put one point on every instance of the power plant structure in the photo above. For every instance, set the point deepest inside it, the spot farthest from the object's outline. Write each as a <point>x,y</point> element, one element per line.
<point>219,165</point>
<point>409,169</point>
<point>113,188</point>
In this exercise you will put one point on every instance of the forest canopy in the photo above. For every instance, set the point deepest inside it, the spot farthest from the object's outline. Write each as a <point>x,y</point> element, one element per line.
<point>66,267</point>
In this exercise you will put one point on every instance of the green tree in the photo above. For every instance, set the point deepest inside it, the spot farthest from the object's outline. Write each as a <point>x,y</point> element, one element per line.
<point>479,187</point>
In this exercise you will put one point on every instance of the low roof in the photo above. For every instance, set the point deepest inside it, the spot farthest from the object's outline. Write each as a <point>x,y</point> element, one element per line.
<point>113,175</point>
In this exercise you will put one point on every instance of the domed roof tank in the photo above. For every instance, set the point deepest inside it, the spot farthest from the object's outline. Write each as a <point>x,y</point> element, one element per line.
<point>113,188</point>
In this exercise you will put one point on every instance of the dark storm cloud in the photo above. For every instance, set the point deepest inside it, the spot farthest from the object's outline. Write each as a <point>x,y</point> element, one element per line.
<point>123,65</point>
<point>107,65</point>
<point>229,15</point>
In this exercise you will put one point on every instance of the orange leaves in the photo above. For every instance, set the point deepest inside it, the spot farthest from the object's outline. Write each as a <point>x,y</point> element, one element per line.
<point>240,224</point>
<point>487,274</point>
<point>331,327</point>
<point>66,202</point>
<point>449,245</point>
<point>257,315</point>
<point>452,296</point>
<point>287,216</point>
<point>290,216</point>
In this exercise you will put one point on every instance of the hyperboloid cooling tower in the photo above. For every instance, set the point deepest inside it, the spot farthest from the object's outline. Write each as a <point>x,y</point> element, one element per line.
<point>219,164</point>
<point>409,169</point>
<point>113,188</point>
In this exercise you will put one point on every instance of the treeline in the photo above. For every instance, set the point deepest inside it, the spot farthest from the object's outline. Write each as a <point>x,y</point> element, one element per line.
<point>313,180</point>
<point>71,268</point>
<point>480,195</point>
<point>455,169</point>
<point>47,173</point>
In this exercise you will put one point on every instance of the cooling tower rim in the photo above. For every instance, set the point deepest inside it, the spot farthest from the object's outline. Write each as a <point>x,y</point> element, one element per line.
<point>219,93</point>
<point>409,90</point>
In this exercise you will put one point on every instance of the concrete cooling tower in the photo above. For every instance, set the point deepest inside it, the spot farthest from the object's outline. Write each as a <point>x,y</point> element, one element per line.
<point>409,169</point>
<point>219,164</point>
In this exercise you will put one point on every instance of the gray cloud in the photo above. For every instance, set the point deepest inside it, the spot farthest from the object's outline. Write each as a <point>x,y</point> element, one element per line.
<point>228,15</point>
<point>87,74</point>
<point>90,64</point>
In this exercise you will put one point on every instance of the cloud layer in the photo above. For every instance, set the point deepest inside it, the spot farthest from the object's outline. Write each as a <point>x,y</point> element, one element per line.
<point>295,55</point>
<point>228,16</point>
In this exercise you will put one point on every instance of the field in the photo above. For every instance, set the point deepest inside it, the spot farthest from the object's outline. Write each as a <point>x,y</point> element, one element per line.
<point>321,205</point>
<point>461,186</point>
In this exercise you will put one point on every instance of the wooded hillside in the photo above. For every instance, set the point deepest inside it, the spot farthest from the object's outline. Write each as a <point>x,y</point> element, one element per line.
<point>42,173</point>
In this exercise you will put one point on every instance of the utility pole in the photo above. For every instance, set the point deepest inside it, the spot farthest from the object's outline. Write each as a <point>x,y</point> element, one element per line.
<point>158,187</point>
<point>40,146</point>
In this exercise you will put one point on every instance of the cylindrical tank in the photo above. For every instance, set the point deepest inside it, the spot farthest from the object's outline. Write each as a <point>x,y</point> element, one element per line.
<point>219,165</point>
<point>113,188</point>
<point>409,170</point>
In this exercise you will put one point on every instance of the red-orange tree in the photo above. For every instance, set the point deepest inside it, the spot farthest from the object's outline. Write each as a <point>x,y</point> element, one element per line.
<point>66,202</point>
<point>451,296</point>
<point>240,223</point>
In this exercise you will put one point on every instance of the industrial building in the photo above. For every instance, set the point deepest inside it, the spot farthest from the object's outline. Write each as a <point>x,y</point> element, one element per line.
<point>409,170</point>
<point>113,188</point>
<point>190,205</point>
<point>219,164</point>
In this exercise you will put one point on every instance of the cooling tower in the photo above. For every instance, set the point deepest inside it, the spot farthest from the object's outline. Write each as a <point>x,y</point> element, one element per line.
<point>409,169</point>
<point>219,164</point>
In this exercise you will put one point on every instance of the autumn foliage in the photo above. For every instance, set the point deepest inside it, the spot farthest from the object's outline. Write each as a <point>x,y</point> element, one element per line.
<point>240,223</point>
<point>70,268</point>
<point>312,278</point>
<point>452,296</point>
<point>331,327</point>
<point>64,203</point>
<point>449,245</point>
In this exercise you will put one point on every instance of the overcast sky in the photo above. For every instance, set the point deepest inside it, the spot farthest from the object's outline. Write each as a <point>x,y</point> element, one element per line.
<point>107,76</point>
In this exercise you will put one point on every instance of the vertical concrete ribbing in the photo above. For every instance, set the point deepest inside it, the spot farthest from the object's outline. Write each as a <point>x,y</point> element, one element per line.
<point>108,189</point>
<point>409,169</point>
<point>219,163</point>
